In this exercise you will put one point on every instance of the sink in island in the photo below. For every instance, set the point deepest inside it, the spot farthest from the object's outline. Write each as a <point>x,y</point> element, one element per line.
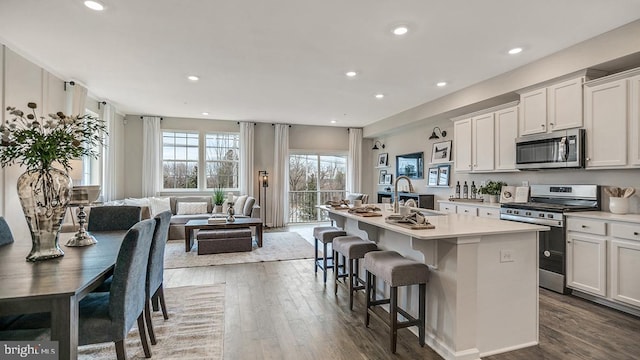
<point>482,295</point>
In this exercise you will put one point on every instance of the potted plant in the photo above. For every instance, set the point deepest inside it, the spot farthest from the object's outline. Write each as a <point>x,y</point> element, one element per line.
<point>491,190</point>
<point>218,199</point>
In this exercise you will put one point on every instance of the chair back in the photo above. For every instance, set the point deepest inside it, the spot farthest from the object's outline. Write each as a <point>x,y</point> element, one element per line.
<point>113,218</point>
<point>6,237</point>
<point>127,295</point>
<point>155,268</point>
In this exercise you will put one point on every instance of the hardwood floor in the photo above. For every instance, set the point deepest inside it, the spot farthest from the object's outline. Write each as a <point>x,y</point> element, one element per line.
<point>280,310</point>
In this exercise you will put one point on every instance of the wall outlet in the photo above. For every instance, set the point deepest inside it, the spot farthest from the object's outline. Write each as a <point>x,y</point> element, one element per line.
<point>506,255</point>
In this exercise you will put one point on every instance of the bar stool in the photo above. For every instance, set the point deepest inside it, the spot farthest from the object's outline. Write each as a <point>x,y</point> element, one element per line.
<point>395,270</point>
<point>325,234</point>
<point>352,249</point>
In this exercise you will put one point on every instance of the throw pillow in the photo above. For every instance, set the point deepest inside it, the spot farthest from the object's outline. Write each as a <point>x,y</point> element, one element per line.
<point>136,202</point>
<point>238,206</point>
<point>191,208</point>
<point>159,205</point>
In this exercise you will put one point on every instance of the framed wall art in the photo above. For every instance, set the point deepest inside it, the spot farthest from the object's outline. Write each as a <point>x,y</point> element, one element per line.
<point>441,152</point>
<point>443,174</point>
<point>383,160</point>
<point>432,177</point>
<point>381,176</point>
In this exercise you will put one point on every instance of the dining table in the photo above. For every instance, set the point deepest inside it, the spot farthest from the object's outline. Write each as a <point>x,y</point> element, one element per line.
<point>56,285</point>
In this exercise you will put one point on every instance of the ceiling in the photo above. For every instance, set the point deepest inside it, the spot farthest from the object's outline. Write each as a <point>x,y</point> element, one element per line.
<point>285,60</point>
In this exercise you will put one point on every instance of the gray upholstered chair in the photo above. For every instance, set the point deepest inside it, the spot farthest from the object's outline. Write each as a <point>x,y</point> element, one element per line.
<point>6,237</point>
<point>106,317</point>
<point>112,218</point>
<point>155,271</point>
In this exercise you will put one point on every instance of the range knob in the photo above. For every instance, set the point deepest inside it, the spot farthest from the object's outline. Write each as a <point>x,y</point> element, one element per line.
<point>541,215</point>
<point>550,216</point>
<point>528,213</point>
<point>516,212</point>
<point>509,211</point>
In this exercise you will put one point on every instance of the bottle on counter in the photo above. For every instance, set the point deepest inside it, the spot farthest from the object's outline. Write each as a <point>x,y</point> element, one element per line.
<point>458,190</point>
<point>474,190</point>
<point>465,191</point>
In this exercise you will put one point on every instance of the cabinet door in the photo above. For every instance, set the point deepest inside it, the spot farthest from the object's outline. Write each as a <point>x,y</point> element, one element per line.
<point>565,105</point>
<point>625,267</point>
<point>486,212</point>
<point>483,142</point>
<point>634,120</point>
<point>533,112</point>
<point>462,145</point>
<point>506,125</point>
<point>448,208</point>
<point>586,263</point>
<point>467,210</point>
<point>605,122</point>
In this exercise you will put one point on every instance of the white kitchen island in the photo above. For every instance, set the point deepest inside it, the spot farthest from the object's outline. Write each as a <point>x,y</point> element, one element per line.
<point>482,295</point>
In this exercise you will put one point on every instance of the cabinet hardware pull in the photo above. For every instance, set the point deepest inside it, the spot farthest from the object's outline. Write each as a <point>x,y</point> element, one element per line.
<point>584,226</point>
<point>551,124</point>
<point>635,233</point>
<point>568,241</point>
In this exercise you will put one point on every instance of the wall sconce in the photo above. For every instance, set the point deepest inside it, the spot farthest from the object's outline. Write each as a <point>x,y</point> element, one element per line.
<point>435,136</point>
<point>375,145</point>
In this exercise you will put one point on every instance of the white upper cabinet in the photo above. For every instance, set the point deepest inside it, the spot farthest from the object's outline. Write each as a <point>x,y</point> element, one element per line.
<point>506,127</point>
<point>555,107</point>
<point>634,120</point>
<point>605,123</point>
<point>462,145</point>
<point>483,142</point>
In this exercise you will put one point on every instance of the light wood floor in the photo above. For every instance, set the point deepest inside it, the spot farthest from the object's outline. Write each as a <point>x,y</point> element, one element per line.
<point>281,310</point>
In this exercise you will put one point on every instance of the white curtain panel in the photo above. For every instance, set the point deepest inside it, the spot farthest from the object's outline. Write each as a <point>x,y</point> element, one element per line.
<point>78,99</point>
<point>354,162</point>
<point>246,158</point>
<point>109,176</point>
<point>151,134</point>
<point>280,176</point>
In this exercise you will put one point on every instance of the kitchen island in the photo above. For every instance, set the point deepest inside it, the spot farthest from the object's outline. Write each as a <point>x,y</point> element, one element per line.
<point>482,295</point>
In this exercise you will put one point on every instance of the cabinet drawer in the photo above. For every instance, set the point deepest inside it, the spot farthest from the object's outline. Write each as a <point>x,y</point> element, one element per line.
<point>625,231</point>
<point>489,213</point>
<point>588,226</point>
<point>467,210</point>
<point>448,208</point>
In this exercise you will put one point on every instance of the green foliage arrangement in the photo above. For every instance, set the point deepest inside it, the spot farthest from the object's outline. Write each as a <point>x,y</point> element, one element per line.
<point>39,142</point>
<point>491,187</point>
<point>218,196</point>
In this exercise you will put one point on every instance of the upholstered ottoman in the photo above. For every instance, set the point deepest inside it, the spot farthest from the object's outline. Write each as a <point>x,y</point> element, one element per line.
<point>224,241</point>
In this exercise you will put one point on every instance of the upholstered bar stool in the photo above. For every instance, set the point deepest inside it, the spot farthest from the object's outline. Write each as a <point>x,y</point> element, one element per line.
<point>325,234</point>
<point>352,249</point>
<point>395,270</point>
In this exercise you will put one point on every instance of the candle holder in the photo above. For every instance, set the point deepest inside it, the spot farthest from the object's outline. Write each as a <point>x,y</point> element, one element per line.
<point>82,196</point>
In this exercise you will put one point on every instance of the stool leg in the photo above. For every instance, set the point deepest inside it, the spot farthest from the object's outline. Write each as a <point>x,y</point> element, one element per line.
<point>421,312</point>
<point>324,261</point>
<point>393,316</point>
<point>335,275</point>
<point>367,292</point>
<point>315,260</point>
<point>350,277</point>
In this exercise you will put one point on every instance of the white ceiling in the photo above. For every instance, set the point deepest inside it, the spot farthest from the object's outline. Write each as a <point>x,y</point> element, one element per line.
<point>284,60</point>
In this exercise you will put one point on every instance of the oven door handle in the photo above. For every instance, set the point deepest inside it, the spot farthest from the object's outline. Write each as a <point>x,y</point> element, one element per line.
<point>536,221</point>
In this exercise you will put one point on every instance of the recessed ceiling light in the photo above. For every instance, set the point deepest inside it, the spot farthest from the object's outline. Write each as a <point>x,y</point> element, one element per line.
<point>205,113</point>
<point>351,73</point>
<point>515,51</point>
<point>333,121</point>
<point>400,30</point>
<point>193,78</point>
<point>379,96</point>
<point>94,5</point>
<point>441,84</point>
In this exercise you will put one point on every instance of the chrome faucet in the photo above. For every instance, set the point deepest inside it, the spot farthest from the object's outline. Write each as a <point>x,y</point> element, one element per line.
<point>396,206</point>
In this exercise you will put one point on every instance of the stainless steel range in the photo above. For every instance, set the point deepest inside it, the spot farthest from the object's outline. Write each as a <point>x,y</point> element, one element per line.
<point>547,206</point>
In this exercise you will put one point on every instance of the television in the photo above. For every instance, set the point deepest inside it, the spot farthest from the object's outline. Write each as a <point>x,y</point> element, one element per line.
<point>410,165</point>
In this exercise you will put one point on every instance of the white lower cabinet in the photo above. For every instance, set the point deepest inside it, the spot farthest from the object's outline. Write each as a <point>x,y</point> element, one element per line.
<point>467,210</point>
<point>603,259</point>
<point>485,211</point>
<point>448,208</point>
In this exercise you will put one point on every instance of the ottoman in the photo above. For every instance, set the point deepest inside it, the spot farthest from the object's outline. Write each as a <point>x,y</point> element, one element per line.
<point>224,241</point>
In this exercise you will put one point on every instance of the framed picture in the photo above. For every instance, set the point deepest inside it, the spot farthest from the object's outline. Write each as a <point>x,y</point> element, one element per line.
<point>443,174</point>
<point>441,152</point>
<point>432,179</point>
<point>383,159</point>
<point>388,179</point>
<point>381,177</point>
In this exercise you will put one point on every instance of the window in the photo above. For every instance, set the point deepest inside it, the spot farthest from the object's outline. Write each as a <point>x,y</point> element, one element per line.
<point>183,157</point>
<point>180,160</point>
<point>223,159</point>
<point>89,169</point>
<point>313,180</point>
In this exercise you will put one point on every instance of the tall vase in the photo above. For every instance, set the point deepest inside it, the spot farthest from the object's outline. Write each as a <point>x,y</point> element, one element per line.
<point>44,196</point>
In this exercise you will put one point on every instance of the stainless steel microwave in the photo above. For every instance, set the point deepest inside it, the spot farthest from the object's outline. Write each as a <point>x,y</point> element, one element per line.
<point>558,149</point>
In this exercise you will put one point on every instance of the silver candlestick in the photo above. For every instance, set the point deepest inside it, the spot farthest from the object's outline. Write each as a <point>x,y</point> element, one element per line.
<point>82,196</point>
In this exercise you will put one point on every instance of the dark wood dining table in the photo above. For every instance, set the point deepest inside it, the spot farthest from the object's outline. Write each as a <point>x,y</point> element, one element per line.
<point>56,285</point>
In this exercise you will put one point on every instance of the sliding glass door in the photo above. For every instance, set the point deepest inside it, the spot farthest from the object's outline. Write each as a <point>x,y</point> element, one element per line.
<point>313,180</point>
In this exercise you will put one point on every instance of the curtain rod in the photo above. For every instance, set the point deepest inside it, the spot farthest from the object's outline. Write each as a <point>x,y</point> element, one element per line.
<point>141,117</point>
<point>246,121</point>
<point>283,124</point>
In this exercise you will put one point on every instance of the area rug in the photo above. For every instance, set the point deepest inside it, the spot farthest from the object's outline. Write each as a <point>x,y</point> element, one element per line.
<point>275,246</point>
<point>195,328</point>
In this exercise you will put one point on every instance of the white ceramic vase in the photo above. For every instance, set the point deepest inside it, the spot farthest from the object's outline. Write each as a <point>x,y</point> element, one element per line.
<point>619,205</point>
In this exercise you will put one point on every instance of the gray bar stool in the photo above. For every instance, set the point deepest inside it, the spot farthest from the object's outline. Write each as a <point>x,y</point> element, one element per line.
<point>352,249</point>
<point>396,270</point>
<point>325,234</point>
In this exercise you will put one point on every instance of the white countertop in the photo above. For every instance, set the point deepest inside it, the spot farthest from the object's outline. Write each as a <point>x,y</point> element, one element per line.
<point>472,203</point>
<point>446,226</point>
<point>603,215</point>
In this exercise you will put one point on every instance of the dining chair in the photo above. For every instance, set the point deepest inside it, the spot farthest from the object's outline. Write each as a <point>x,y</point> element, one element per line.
<point>155,271</point>
<point>106,317</point>
<point>113,218</point>
<point>6,237</point>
